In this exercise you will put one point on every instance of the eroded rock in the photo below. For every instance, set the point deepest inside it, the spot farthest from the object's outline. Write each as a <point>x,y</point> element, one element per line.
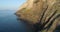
<point>44,12</point>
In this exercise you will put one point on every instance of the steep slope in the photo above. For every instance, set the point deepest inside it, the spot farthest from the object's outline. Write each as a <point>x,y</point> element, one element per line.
<point>46,13</point>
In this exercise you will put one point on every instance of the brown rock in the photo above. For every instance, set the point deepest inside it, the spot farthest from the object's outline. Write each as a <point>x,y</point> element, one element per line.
<point>44,12</point>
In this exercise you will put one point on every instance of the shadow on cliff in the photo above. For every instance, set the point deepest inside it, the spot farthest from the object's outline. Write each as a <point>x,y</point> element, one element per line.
<point>39,27</point>
<point>57,29</point>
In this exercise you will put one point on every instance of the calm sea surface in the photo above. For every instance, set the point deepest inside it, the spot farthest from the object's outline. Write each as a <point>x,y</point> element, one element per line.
<point>9,22</point>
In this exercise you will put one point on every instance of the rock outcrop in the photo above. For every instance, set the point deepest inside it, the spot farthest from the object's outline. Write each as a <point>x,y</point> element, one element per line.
<point>46,13</point>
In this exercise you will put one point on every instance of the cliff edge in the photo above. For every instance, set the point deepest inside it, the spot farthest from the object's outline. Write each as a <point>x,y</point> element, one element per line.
<point>43,12</point>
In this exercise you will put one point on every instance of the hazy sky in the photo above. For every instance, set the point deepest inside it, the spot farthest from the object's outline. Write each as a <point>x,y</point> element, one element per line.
<point>10,4</point>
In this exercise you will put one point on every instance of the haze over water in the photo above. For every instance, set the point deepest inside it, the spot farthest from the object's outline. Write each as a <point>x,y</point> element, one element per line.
<point>8,21</point>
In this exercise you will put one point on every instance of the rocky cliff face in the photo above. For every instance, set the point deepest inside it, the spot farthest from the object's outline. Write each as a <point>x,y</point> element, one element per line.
<point>30,10</point>
<point>44,12</point>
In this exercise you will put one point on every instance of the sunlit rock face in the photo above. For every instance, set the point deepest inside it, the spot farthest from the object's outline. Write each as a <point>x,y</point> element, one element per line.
<point>30,11</point>
<point>46,11</point>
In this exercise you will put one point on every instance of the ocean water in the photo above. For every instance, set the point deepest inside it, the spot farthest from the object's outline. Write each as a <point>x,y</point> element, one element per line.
<point>9,22</point>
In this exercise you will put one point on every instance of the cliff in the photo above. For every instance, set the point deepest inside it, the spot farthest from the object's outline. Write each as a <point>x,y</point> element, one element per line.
<point>42,12</point>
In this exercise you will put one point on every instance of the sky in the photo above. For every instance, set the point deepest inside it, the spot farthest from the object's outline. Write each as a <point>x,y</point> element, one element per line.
<point>11,4</point>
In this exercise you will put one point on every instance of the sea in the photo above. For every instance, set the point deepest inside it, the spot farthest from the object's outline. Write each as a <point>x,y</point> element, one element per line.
<point>9,22</point>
